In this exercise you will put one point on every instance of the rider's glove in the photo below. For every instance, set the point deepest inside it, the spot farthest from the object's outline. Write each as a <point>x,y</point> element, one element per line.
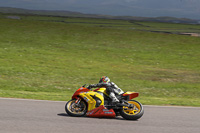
<point>91,86</point>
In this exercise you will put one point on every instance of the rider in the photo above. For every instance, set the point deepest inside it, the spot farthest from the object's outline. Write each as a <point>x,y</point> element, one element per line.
<point>111,88</point>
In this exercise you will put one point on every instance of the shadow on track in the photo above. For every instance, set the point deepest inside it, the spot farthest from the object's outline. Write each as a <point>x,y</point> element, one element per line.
<point>63,114</point>
<point>116,118</point>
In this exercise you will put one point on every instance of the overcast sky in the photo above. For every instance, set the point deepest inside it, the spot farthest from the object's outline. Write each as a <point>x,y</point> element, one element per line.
<point>144,8</point>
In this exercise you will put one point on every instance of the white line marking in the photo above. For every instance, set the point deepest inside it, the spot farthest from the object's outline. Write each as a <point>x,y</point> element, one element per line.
<point>34,100</point>
<point>157,106</point>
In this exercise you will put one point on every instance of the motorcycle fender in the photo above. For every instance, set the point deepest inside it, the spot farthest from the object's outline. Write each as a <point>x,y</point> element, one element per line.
<point>131,95</point>
<point>101,111</point>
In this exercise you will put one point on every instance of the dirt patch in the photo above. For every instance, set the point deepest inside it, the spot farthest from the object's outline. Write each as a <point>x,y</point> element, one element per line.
<point>191,34</point>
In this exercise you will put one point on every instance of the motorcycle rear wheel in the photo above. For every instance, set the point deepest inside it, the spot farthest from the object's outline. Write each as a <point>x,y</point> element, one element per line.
<point>76,110</point>
<point>132,113</point>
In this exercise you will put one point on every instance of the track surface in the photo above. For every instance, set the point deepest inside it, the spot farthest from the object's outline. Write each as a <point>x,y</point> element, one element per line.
<point>35,116</point>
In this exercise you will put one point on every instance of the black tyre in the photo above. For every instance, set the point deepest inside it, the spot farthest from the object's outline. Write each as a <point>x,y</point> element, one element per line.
<point>132,113</point>
<point>73,109</point>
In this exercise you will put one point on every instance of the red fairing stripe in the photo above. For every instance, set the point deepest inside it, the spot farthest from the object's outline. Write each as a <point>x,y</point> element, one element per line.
<point>101,111</point>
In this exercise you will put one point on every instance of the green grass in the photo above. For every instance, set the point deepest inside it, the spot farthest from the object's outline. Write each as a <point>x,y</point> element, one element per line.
<point>50,60</point>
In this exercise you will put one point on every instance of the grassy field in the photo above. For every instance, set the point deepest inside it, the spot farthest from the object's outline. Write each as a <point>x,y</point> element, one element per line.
<point>50,57</point>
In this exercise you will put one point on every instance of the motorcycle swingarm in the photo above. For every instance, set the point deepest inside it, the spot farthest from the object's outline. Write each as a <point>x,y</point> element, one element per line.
<point>119,105</point>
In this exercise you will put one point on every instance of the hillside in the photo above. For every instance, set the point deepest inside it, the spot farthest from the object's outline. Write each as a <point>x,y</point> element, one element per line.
<point>78,14</point>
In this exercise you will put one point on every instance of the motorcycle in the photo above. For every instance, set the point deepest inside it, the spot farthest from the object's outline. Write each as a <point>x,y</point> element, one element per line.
<point>96,103</point>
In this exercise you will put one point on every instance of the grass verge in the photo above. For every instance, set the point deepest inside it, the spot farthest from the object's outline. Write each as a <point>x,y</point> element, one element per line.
<point>50,60</point>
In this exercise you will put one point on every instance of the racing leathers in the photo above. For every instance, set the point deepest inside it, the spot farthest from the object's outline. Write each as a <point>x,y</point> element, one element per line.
<point>111,88</point>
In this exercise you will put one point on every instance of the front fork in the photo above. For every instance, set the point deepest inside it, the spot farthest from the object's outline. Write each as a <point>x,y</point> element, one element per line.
<point>78,100</point>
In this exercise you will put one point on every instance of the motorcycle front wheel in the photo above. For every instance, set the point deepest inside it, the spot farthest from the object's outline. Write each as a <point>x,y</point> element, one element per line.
<point>132,113</point>
<point>74,109</point>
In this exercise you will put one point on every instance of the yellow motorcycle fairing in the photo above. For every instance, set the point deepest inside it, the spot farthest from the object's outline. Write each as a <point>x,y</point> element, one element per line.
<point>89,98</point>
<point>102,90</point>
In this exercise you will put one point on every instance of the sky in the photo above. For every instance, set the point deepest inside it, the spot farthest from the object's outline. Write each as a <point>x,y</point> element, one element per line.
<point>143,8</point>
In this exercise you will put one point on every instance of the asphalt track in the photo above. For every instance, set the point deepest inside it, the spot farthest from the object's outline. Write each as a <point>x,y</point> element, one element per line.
<point>36,116</point>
